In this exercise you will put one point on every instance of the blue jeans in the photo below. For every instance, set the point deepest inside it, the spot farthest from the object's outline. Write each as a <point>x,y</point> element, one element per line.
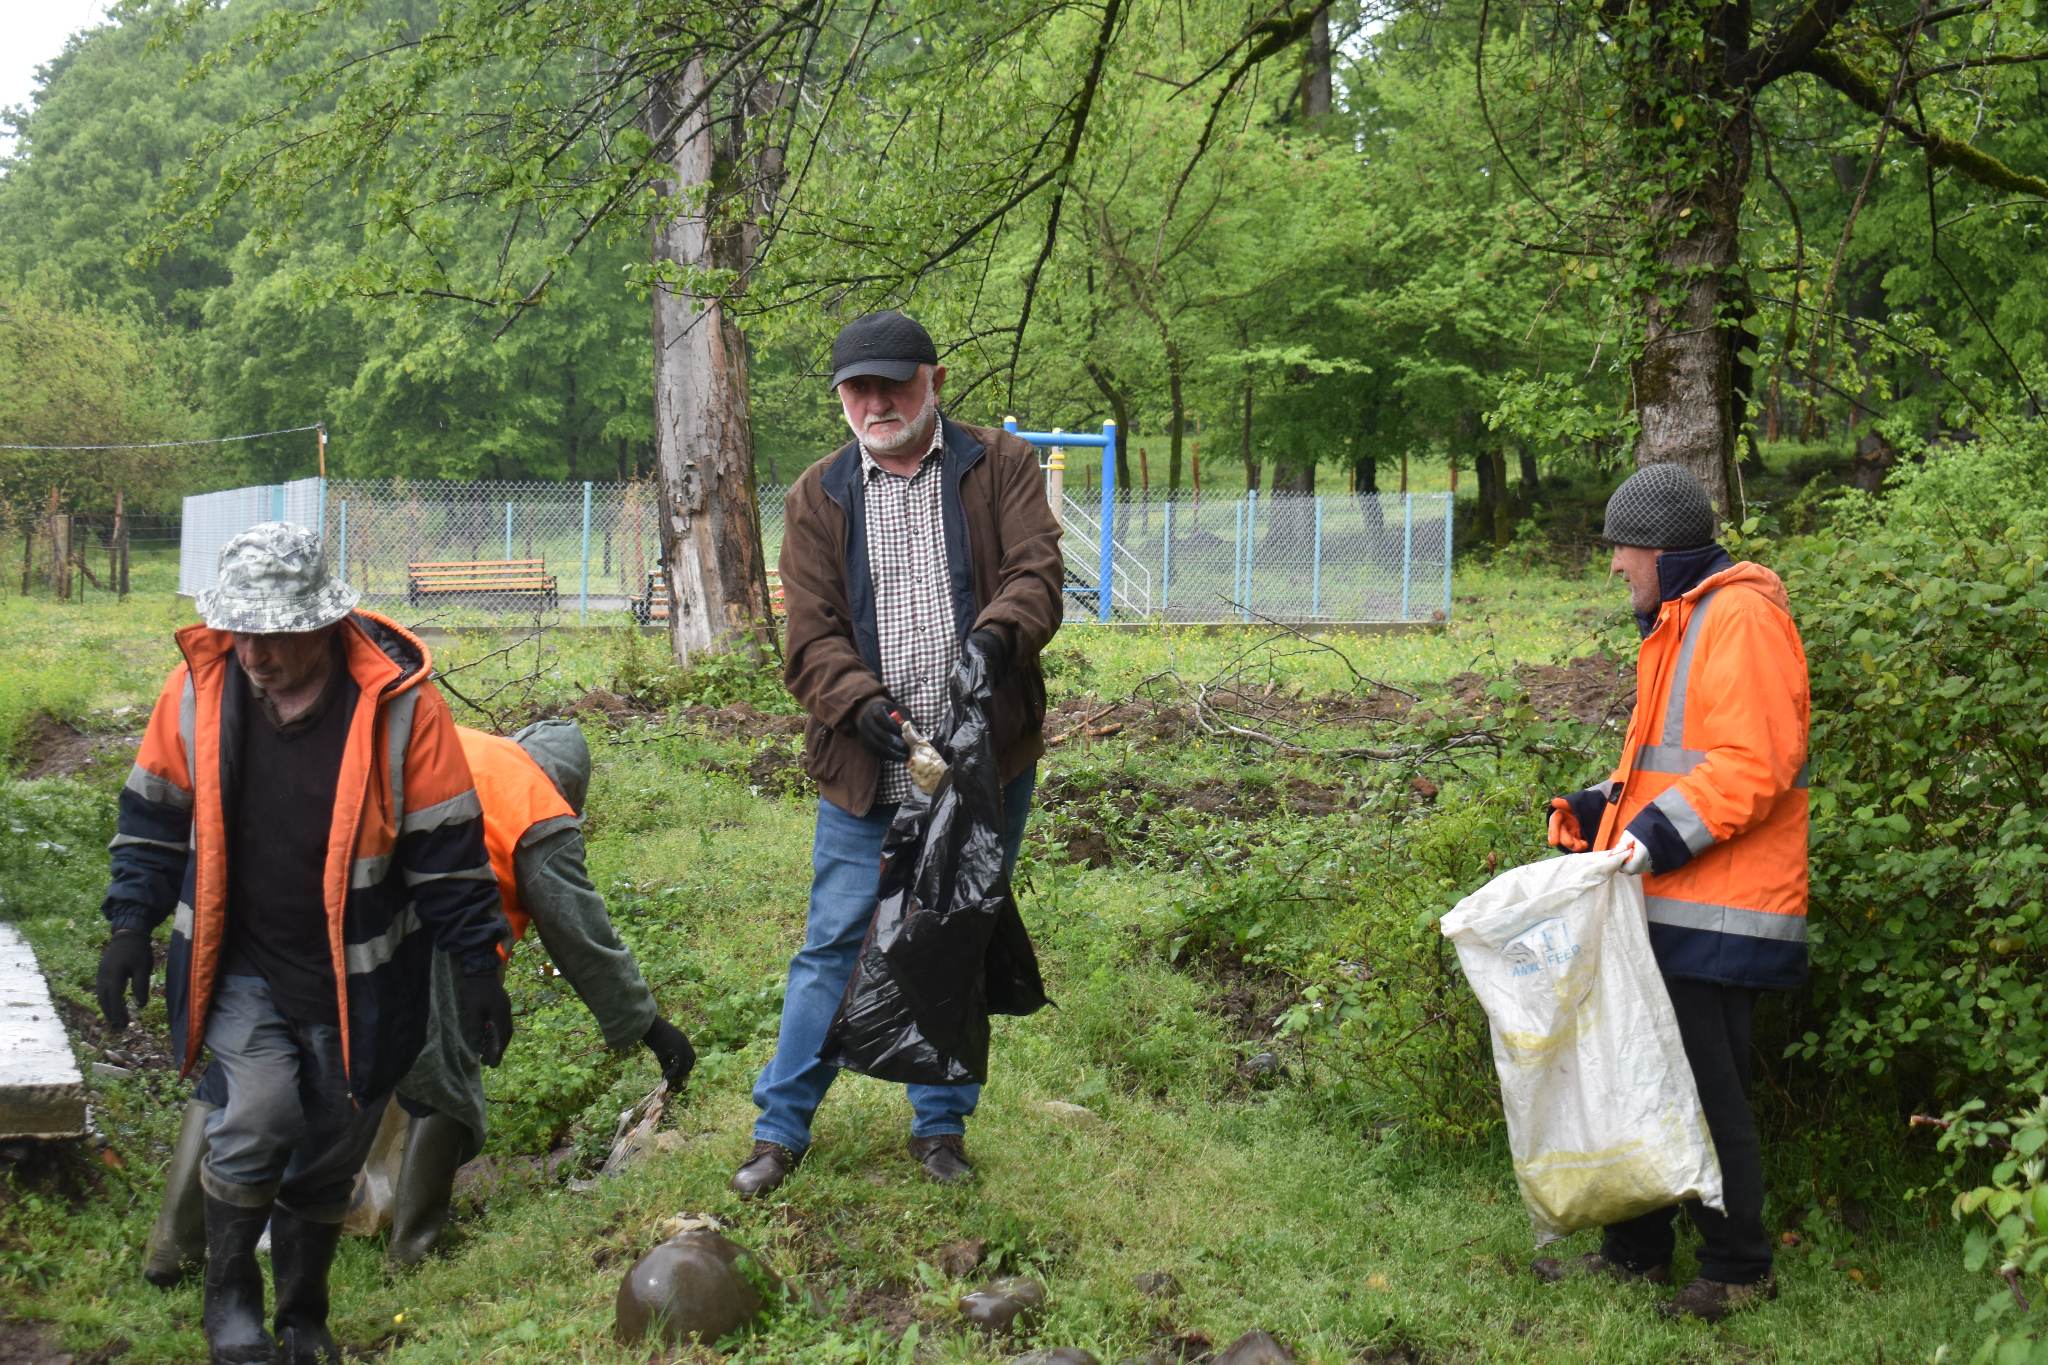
<point>846,872</point>
<point>287,1129</point>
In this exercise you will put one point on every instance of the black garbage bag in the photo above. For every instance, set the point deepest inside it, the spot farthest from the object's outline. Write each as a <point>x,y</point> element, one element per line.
<point>947,947</point>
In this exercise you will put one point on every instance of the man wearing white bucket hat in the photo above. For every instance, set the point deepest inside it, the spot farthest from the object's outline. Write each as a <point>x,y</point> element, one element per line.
<point>301,810</point>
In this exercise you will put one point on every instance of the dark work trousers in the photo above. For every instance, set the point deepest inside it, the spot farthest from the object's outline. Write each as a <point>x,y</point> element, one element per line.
<point>1714,1022</point>
<point>288,1129</point>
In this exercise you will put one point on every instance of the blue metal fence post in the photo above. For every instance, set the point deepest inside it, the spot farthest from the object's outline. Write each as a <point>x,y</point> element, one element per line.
<point>1407,547</point>
<point>277,502</point>
<point>1315,592</point>
<point>341,539</point>
<point>320,508</point>
<point>583,606</point>
<point>1166,561</point>
<point>1450,505</point>
<point>1237,552</point>
<point>1251,547</point>
<point>1105,586</point>
<point>508,530</point>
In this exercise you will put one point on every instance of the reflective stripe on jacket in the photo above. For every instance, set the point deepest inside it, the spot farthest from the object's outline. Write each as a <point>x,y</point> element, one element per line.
<point>405,845</point>
<point>520,803</point>
<point>1713,782</point>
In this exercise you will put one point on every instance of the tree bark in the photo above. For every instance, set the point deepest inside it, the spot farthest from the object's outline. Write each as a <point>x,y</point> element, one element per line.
<point>1180,411</point>
<point>1120,409</point>
<point>1683,374</point>
<point>709,524</point>
<point>1532,482</point>
<point>1244,445</point>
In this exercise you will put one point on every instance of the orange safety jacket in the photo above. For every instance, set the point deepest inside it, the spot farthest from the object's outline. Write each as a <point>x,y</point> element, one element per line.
<point>520,802</point>
<point>405,846</point>
<point>1713,782</point>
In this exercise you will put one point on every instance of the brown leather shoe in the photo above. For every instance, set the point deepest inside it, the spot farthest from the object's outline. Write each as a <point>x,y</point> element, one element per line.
<point>944,1158</point>
<point>767,1166</point>
<point>1550,1270</point>
<point>1711,1300</point>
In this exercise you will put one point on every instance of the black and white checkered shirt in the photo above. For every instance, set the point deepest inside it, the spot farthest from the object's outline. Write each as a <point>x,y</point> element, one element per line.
<point>913,600</point>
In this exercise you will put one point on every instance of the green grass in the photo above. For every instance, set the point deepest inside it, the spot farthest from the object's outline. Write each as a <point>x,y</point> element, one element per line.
<point>1318,1209</point>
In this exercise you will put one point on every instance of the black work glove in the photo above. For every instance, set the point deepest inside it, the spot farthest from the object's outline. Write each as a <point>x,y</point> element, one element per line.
<point>994,651</point>
<point>486,1015</point>
<point>880,726</point>
<point>671,1047</point>
<point>124,962</point>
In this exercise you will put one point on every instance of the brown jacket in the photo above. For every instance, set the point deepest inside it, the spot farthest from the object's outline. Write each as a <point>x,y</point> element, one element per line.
<point>1003,549</point>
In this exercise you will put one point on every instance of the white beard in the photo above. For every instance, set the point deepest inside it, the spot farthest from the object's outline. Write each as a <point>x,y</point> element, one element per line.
<point>915,430</point>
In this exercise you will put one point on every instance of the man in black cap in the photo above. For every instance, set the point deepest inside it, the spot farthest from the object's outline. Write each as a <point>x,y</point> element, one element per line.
<point>918,540</point>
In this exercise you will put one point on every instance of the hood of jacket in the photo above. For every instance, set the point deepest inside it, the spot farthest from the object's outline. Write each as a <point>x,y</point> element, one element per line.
<point>563,754</point>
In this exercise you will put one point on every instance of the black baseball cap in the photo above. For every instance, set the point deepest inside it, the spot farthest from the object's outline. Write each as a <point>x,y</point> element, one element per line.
<point>886,344</point>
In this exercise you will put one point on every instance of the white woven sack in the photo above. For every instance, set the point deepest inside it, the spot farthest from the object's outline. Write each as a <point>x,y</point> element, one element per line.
<point>1604,1119</point>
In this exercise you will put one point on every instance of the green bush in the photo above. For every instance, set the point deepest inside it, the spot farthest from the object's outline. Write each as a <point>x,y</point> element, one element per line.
<point>1929,666</point>
<point>2008,1223</point>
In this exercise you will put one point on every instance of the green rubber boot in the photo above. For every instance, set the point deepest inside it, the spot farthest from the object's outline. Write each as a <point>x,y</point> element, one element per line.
<point>177,1240</point>
<point>434,1147</point>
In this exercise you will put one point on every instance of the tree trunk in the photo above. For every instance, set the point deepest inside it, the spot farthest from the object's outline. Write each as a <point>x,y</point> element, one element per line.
<point>1532,482</point>
<point>1489,489</point>
<point>1244,444</point>
<point>1315,69</point>
<point>704,451</point>
<point>1120,409</point>
<point>1683,374</point>
<point>1180,412</point>
<point>1683,378</point>
<point>1503,501</point>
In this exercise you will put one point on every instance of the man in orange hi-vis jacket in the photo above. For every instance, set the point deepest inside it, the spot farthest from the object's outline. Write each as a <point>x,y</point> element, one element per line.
<point>1709,802</point>
<point>302,812</point>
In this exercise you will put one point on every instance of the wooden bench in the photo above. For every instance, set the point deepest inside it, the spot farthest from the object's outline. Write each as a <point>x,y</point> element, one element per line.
<point>652,605</point>
<point>498,582</point>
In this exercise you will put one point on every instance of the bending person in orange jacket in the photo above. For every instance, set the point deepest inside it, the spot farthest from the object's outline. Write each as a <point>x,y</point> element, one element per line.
<point>1709,801</point>
<point>532,790</point>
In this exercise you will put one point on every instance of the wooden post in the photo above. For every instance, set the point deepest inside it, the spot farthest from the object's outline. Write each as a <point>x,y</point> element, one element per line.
<point>321,430</point>
<point>60,555</point>
<point>28,555</point>
<point>114,549</point>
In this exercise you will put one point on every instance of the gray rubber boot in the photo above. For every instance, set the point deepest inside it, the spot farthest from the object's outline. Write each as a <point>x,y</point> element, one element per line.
<point>233,1313</point>
<point>177,1240</point>
<point>434,1148</point>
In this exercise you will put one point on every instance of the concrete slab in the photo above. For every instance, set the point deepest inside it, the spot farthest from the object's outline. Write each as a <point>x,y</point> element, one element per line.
<point>41,1093</point>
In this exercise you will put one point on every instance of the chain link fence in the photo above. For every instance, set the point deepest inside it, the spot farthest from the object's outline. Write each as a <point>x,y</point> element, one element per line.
<point>1298,558</point>
<point>1302,558</point>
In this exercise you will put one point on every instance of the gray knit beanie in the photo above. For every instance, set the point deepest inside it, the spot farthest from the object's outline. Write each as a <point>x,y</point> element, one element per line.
<point>1660,507</point>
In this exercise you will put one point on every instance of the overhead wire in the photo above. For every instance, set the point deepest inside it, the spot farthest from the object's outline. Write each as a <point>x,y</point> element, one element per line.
<point>166,445</point>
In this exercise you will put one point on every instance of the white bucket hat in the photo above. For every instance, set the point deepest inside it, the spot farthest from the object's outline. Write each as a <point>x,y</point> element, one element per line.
<point>273,581</point>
